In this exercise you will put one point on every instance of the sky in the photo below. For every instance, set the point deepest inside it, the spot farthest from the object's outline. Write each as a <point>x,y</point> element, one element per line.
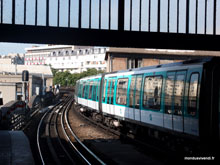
<point>6,48</point>
<point>53,5</point>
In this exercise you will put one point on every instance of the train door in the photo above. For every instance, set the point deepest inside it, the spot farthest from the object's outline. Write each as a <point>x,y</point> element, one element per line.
<point>111,94</point>
<point>131,97</point>
<point>94,94</point>
<point>104,95</point>
<point>168,101</point>
<point>191,115</point>
<point>89,99</point>
<point>98,94</point>
<point>178,101</point>
<point>174,100</point>
<point>108,89</point>
<point>137,97</point>
<point>87,93</point>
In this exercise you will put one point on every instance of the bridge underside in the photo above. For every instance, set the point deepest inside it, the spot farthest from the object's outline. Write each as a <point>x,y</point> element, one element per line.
<point>109,38</point>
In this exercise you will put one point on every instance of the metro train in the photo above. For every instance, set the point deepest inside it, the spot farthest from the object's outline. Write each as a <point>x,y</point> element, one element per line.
<point>179,99</point>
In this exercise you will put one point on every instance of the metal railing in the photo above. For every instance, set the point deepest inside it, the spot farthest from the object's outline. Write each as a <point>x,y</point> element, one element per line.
<point>168,16</point>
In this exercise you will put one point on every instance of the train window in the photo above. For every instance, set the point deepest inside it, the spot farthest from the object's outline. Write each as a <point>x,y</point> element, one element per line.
<point>112,91</point>
<point>104,88</point>
<point>94,92</point>
<point>86,90</point>
<point>83,90</point>
<point>121,95</point>
<point>178,94</point>
<point>80,89</point>
<point>77,89</point>
<point>131,94</point>
<point>152,92</point>
<point>193,91</point>
<point>90,89</point>
<point>137,91</point>
<point>108,91</point>
<point>169,93</point>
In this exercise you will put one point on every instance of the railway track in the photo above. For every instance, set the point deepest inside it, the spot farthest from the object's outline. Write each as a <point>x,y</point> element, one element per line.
<point>57,143</point>
<point>152,147</point>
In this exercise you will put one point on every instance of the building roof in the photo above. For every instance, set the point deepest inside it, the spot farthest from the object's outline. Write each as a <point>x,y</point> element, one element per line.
<point>49,47</point>
<point>33,69</point>
<point>162,53</point>
<point>52,47</point>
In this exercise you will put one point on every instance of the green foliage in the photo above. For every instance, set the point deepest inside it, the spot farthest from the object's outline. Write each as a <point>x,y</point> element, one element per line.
<point>54,71</point>
<point>68,79</point>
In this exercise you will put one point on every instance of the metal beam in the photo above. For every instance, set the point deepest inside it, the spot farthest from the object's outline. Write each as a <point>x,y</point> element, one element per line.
<point>110,38</point>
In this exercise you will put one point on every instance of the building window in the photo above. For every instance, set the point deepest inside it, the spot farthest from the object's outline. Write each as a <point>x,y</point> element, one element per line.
<point>134,63</point>
<point>67,53</point>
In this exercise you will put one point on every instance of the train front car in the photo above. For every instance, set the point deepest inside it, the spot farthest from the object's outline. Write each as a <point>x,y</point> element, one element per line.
<point>164,98</point>
<point>179,100</point>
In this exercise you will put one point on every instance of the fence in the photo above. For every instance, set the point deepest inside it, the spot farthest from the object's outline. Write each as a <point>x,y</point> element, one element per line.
<point>167,16</point>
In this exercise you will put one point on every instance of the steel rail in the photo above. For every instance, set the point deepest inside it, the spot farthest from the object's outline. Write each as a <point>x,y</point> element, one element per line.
<point>38,137</point>
<point>48,135</point>
<point>38,132</point>
<point>77,139</point>
<point>56,128</point>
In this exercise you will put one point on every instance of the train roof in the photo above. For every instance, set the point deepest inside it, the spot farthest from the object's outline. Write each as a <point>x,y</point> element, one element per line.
<point>93,76</point>
<point>183,63</point>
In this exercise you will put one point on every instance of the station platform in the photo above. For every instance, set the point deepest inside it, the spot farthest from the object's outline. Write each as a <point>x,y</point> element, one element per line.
<point>15,148</point>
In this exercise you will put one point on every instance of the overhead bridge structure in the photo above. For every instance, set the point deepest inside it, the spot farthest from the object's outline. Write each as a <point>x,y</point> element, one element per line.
<point>159,24</point>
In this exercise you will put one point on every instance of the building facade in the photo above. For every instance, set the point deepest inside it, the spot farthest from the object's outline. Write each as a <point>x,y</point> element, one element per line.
<point>74,59</point>
<point>128,58</point>
<point>12,87</point>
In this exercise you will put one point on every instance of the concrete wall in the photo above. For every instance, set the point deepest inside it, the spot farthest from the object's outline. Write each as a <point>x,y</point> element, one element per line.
<point>5,60</point>
<point>16,79</point>
<point>119,64</point>
<point>8,92</point>
<point>150,62</point>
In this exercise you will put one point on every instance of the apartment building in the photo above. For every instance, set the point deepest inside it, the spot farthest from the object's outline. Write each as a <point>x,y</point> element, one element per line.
<point>74,59</point>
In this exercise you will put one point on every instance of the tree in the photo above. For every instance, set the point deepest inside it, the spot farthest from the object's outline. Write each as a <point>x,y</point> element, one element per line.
<point>68,79</point>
